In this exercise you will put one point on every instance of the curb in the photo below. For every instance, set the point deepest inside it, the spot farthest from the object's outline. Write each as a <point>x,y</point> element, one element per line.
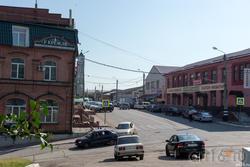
<point>232,124</point>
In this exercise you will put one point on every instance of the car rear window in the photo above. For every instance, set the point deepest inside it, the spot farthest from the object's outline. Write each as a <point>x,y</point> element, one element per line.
<point>128,140</point>
<point>188,138</point>
<point>123,126</point>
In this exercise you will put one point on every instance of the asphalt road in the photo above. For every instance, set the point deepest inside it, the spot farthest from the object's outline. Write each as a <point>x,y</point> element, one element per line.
<point>223,143</point>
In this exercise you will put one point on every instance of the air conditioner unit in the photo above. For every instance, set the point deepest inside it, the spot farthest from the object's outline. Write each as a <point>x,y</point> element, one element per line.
<point>40,68</point>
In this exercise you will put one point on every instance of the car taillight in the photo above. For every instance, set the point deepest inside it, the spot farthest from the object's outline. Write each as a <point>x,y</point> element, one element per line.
<point>139,147</point>
<point>121,148</point>
<point>180,145</point>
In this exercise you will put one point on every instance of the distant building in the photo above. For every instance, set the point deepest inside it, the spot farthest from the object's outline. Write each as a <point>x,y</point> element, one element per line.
<point>155,83</point>
<point>37,56</point>
<point>201,83</point>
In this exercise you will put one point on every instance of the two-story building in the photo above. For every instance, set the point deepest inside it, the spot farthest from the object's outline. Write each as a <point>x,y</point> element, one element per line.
<point>202,83</point>
<point>37,55</point>
<point>155,83</point>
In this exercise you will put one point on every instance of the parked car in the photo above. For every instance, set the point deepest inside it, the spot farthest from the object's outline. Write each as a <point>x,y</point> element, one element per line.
<point>97,137</point>
<point>128,146</point>
<point>124,106</point>
<point>154,107</point>
<point>141,105</point>
<point>185,144</point>
<point>203,116</point>
<point>172,110</point>
<point>189,111</point>
<point>89,103</point>
<point>96,106</point>
<point>126,128</point>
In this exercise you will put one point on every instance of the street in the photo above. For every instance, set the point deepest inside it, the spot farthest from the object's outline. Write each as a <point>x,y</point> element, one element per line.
<point>223,143</point>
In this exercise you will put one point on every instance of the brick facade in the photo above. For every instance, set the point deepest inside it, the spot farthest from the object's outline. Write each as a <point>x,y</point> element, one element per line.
<point>33,85</point>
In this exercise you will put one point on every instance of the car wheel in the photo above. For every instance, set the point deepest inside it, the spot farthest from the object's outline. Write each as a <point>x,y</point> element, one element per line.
<point>141,157</point>
<point>117,158</point>
<point>200,119</point>
<point>86,145</point>
<point>167,153</point>
<point>111,142</point>
<point>176,156</point>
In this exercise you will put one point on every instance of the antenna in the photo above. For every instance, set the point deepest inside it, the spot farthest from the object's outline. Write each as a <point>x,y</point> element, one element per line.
<point>36,4</point>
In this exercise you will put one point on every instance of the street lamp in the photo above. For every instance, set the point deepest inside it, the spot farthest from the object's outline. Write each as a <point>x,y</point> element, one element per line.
<point>225,96</point>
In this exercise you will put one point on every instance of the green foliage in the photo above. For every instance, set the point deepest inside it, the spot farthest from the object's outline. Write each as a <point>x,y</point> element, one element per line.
<point>14,162</point>
<point>27,124</point>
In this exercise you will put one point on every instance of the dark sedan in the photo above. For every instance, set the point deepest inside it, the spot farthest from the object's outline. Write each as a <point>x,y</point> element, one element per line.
<point>185,145</point>
<point>97,137</point>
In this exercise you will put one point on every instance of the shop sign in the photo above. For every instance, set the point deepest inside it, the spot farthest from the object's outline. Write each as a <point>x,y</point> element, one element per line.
<point>54,42</point>
<point>240,101</point>
<point>197,82</point>
<point>197,88</point>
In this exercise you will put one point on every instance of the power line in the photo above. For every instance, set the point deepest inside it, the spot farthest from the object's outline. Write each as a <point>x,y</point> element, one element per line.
<point>118,48</point>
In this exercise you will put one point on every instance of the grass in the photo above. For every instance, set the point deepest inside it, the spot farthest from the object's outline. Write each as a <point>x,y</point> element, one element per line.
<point>14,162</point>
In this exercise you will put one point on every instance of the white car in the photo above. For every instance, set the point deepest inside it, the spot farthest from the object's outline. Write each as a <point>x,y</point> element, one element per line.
<point>128,146</point>
<point>126,128</point>
<point>141,105</point>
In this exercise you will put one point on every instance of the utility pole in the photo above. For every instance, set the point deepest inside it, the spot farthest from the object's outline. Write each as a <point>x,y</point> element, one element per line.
<point>116,95</point>
<point>102,93</point>
<point>143,83</point>
<point>83,78</point>
<point>95,94</point>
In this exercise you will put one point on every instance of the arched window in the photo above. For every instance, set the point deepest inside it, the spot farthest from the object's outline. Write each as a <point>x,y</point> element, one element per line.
<point>50,71</point>
<point>52,116</point>
<point>15,106</point>
<point>17,68</point>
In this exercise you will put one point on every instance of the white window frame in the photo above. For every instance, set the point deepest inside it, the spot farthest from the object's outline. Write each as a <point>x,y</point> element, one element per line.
<point>26,43</point>
<point>50,117</point>
<point>18,68</point>
<point>9,108</point>
<point>50,72</point>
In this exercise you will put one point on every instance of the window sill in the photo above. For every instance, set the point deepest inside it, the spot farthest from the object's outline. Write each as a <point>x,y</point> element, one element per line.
<point>49,123</point>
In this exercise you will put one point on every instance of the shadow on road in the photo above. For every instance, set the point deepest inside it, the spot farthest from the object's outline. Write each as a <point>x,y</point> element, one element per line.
<point>165,158</point>
<point>206,126</point>
<point>124,159</point>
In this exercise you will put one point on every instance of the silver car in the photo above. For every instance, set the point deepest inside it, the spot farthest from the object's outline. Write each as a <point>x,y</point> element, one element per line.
<point>203,116</point>
<point>126,128</point>
<point>128,146</point>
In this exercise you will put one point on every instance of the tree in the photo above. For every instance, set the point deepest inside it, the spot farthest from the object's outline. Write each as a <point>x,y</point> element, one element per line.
<point>26,124</point>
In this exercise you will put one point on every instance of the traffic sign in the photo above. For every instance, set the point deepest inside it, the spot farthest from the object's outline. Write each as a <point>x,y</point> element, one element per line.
<point>105,103</point>
<point>240,101</point>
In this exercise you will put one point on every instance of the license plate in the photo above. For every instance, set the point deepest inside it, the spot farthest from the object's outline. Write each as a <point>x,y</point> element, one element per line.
<point>192,145</point>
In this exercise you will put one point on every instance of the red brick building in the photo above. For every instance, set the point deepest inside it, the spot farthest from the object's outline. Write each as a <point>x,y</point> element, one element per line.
<point>201,83</point>
<point>37,55</point>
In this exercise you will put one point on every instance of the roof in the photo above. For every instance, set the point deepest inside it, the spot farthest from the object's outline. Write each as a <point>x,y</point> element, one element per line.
<point>125,122</point>
<point>165,69</point>
<point>217,59</point>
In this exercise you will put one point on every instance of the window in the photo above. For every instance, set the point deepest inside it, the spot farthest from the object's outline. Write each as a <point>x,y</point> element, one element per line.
<point>15,106</point>
<point>241,72</point>
<point>191,79</point>
<point>205,77</point>
<point>198,75</point>
<point>147,85</point>
<point>50,71</point>
<point>214,76</point>
<point>157,84</point>
<point>20,36</point>
<point>180,80</point>
<point>236,73</point>
<point>153,85</point>
<point>52,112</point>
<point>17,68</point>
<point>185,80</point>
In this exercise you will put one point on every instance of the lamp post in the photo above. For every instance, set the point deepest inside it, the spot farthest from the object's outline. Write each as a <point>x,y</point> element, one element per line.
<point>225,96</point>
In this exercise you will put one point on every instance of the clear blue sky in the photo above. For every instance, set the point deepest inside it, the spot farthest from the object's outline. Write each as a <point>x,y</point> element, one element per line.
<point>168,32</point>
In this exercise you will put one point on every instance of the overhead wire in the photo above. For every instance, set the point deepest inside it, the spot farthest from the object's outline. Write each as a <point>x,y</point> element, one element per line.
<point>130,53</point>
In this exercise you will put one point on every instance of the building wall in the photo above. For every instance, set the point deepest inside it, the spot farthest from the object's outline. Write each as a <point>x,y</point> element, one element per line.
<point>232,85</point>
<point>153,77</point>
<point>33,86</point>
<point>61,49</point>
